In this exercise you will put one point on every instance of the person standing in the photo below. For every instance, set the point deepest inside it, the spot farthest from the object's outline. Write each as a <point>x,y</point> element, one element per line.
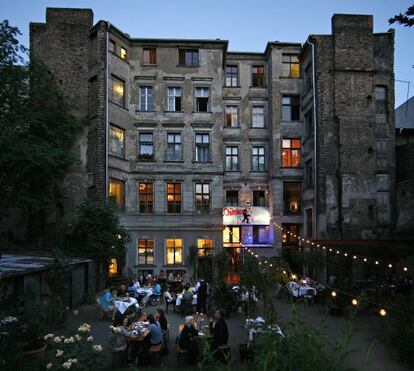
<point>201,290</point>
<point>219,330</point>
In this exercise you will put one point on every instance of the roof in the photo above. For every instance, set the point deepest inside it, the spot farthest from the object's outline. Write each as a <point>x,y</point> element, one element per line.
<point>17,265</point>
<point>404,115</point>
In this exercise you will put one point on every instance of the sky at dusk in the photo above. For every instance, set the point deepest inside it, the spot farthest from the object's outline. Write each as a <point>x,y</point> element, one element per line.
<point>247,24</point>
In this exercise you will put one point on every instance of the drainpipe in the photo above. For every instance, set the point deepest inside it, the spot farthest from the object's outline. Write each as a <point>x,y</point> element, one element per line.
<point>106,115</point>
<point>315,162</point>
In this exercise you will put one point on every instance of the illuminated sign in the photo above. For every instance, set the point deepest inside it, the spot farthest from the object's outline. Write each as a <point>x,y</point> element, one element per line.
<point>246,216</point>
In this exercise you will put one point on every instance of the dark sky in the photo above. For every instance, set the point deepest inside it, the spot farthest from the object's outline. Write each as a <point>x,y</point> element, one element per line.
<point>247,24</point>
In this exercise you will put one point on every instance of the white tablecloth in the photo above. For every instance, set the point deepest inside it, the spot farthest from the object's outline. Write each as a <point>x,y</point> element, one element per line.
<point>145,291</point>
<point>180,297</point>
<point>122,306</point>
<point>300,290</point>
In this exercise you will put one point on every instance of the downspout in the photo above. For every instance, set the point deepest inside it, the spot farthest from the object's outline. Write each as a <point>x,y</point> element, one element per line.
<point>106,115</point>
<point>315,162</point>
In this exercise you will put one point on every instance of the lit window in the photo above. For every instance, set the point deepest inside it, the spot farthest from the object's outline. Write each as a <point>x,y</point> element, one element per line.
<point>291,198</point>
<point>117,191</point>
<point>202,147</point>
<point>290,152</point>
<point>232,158</point>
<point>113,268</point>
<point>231,234</point>
<point>146,196</point>
<point>205,247</point>
<point>145,146</point>
<point>202,198</point>
<point>232,117</point>
<point>123,53</point>
<point>258,119</point>
<point>145,252</point>
<point>189,57</point>
<point>290,66</point>
<point>290,108</point>
<point>174,198</point>
<point>174,99</point>
<point>174,147</point>
<point>174,251</point>
<point>149,56</point>
<point>202,99</point>
<point>258,159</point>
<point>146,98</point>
<point>117,141</point>
<point>117,91</point>
<point>232,76</point>
<point>258,76</point>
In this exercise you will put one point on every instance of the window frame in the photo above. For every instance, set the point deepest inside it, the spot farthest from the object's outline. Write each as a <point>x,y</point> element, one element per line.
<point>149,63</point>
<point>232,156</point>
<point>141,155</point>
<point>113,43</point>
<point>146,255</point>
<point>174,205</point>
<point>231,234</point>
<point>202,96</point>
<point>147,205</point>
<point>381,105</point>
<point>285,203</point>
<point>289,153</point>
<point>206,248</point>
<point>260,167</point>
<point>227,203</point>
<point>294,111</point>
<point>257,82</point>
<point>123,53</point>
<point>175,248</point>
<point>309,173</point>
<point>176,156</point>
<point>253,115</point>
<point>231,75</point>
<point>118,102</point>
<point>172,99</point>
<point>120,205</point>
<point>231,118</point>
<point>203,207</point>
<point>201,147</point>
<point>182,57</point>
<point>290,74</point>
<point>123,150</point>
<point>290,239</point>
<point>147,101</point>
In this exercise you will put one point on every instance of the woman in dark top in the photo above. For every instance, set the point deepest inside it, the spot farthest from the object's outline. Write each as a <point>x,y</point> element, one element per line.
<point>160,315</point>
<point>186,339</point>
<point>219,330</point>
<point>129,316</point>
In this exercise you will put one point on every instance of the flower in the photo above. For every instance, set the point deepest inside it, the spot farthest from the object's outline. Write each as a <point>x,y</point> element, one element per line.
<point>97,348</point>
<point>90,338</point>
<point>69,340</point>
<point>8,319</point>
<point>78,337</point>
<point>73,360</point>
<point>67,365</point>
<point>49,336</point>
<point>75,312</point>
<point>59,353</point>
<point>57,339</point>
<point>84,327</point>
<point>49,365</point>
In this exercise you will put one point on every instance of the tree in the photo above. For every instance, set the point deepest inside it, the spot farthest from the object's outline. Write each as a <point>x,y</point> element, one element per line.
<point>37,131</point>
<point>406,19</point>
<point>96,233</point>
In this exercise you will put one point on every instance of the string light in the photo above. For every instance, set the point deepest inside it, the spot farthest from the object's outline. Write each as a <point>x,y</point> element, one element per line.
<point>389,265</point>
<point>355,257</point>
<point>333,293</point>
<point>382,312</point>
<point>354,302</point>
<point>376,262</point>
<point>405,269</point>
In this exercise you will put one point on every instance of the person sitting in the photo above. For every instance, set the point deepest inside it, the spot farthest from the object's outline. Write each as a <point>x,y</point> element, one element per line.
<point>168,298</point>
<point>154,330</point>
<point>157,289</point>
<point>171,277</point>
<point>143,317</point>
<point>122,291</point>
<point>107,302</point>
<point>187,339</point>
<point>219,330</point>
<point>128,317</point>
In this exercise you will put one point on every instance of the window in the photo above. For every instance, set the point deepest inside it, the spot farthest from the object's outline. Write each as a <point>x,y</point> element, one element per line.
<point>258,76</point>
<point>146,146</point>
<point>309,223</point>
<point>231,234</point>
<point>202,147</point>
<point>309,173</point>
<point>174,99</point>
<point>259,198</point>
<point>309,124</point>
<point>232,158</point>
<point>174,251</point>
<point>290,233</point>
<point>123,54</point>
<point>232,197</point>
<point>260,234</point>
<point>145,252</point>
<point>258,119</point>
<point>189,57</point>
<point>232,117</point>
<point>117,192</point>
<point>383,199</point>
<point>290,152</point>
<point>112,46</point>
<point>290,66</point>
<point>380,100</point>
<point>116,141</point>
<point>174,149</point>
<point>382,153</point>
<point>113,268</point>
<point>205,247</point>
<point>258,159</point>
<point>146,98</point>
<point>202,98</point>
<point>290,108</point>
<point>232,76</point>
<point>149,56</point>
<point>117,91</point>
<point>309,78</point>
<point>291,198</point>
<point>202,198</point>
<point>146,198</point>
<point>173,198</point>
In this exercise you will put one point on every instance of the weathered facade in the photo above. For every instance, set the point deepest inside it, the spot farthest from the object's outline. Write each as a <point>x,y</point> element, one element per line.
<point>205,148</point>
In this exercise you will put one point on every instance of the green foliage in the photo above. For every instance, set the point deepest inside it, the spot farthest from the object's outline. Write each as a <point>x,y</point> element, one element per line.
<point>36,130</point>
<point>96,233</point>
<point>406,19</point>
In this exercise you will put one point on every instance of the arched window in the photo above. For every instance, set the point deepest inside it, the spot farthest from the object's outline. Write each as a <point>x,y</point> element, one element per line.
<point>113,268</point>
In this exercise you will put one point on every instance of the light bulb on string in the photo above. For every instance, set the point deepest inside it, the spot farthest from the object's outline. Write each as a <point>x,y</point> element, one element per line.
<point>405,269</point>
<point>376,262</point>
<point>354,302</point>
<point>354,257</point>
<point>345,254</point>
<point>365,260</point>
<point>389,265</point>
<point>382,312</point>
<point>333,294</point>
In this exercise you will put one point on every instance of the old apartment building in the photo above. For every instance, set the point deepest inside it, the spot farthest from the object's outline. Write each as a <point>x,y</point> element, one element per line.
<point>204,149</point>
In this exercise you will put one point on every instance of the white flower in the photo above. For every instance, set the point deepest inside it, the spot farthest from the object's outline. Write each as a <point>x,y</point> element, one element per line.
<point>75,312</point>
<point>78,337</point>
<point>90,338</point>
<point>84,327</point>
<point>59,353</point>
<point>8,319</point>
<point>57,339</point>
<point>49,365</point>
<point>67,365</point>
<point>49,336</point>
<point>97,348</point>
<point>73,360</point>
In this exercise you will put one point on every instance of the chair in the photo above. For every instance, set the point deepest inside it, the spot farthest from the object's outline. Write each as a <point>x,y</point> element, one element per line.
<point>181,353</point>
<point>168,303</point>
<point>154,299</point>
<point>186,306</point>
<point>309,296</point>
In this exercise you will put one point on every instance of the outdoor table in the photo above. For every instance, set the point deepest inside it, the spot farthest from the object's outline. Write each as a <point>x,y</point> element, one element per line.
<point>300,290</point>
<point>122,304</point>
<point>180,298</point>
